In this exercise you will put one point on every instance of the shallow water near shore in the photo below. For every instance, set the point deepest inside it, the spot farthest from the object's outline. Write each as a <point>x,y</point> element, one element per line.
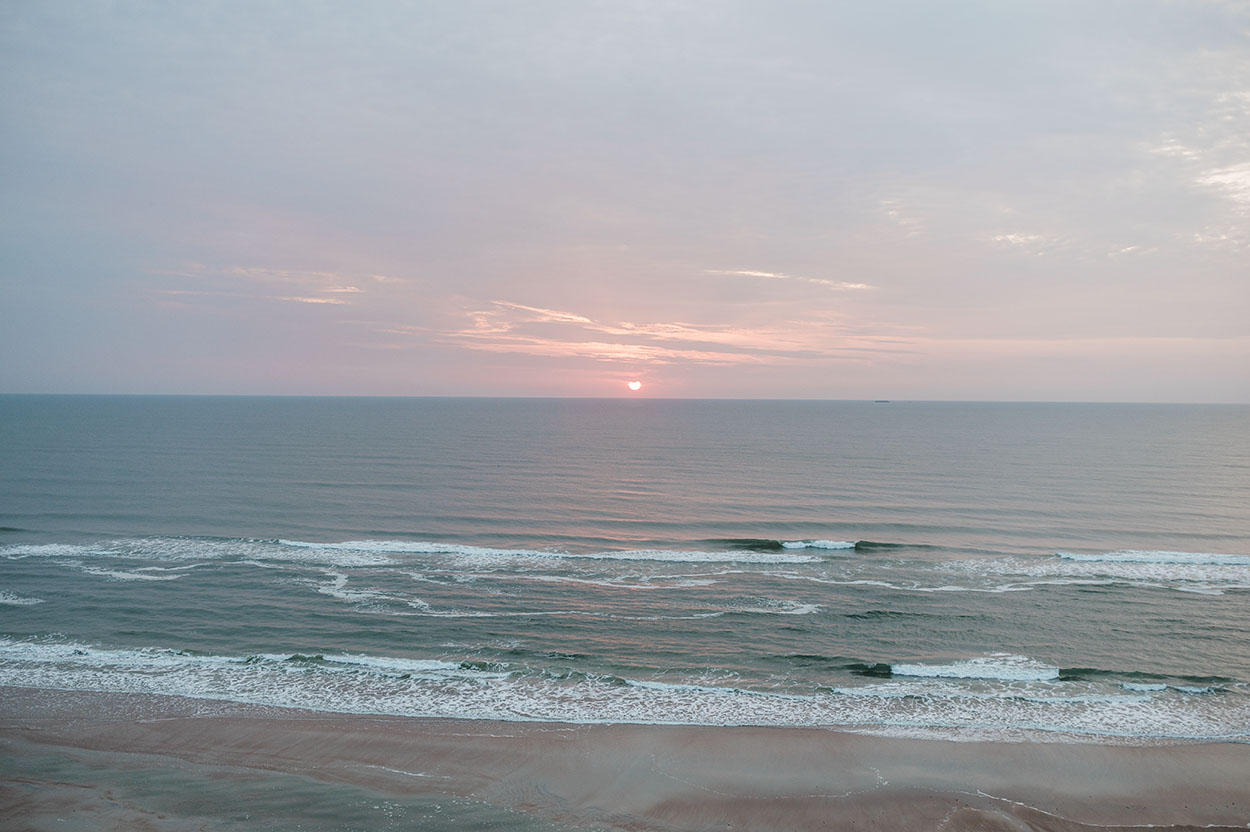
<point>129,761</point>
<point>957,571</point>
<point>128,792</point>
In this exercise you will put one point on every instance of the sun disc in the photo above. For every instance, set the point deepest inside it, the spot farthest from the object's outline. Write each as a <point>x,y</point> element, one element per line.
<point>635,385</point>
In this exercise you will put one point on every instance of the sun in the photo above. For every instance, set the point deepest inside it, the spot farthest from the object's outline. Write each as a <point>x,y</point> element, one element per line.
<point>635,386</point>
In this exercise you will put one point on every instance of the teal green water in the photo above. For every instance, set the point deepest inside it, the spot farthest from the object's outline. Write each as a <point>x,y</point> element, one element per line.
<point>1042,572</point>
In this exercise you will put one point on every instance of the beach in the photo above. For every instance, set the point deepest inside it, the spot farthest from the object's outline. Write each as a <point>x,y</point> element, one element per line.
<point>627,777</point>
<point>634,417</point>
<point>547,615</point>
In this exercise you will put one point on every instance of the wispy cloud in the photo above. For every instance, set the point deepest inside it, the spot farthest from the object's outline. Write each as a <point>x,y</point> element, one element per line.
<point>505,326</point>
<point>327,287</point>
<point>540,314</point>
<point>1233,181</point>
<point>1033,244</point>
<point>819,281</point>
<point>897,213</point>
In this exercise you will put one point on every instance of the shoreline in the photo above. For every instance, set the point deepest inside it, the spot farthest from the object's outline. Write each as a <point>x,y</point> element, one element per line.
<point>616,776</point>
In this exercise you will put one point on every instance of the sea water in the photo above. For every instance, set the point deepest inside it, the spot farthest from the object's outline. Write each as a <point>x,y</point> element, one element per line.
<point>1040,572</point>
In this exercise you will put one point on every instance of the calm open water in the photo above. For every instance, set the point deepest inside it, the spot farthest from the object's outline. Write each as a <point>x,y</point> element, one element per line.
<point>970,571</point>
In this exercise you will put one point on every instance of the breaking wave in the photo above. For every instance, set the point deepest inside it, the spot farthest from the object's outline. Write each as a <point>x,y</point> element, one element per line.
<point>1000,666</point>
<point>668,555</point>
<point>1025,695</point>
<point>1142,556</point>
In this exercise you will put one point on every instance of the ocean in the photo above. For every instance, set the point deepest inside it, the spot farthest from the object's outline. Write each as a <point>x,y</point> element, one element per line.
<point>963,571</point>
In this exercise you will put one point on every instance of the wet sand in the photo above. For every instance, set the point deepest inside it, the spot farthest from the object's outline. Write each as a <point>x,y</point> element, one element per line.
<point>627,777</point>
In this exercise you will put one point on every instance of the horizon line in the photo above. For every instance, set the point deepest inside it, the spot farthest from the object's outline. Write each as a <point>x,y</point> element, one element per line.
<point>608,398</point>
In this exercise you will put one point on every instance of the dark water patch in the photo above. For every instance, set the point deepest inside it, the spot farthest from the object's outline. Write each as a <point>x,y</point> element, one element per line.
<point>766,544</point>
<point>878,670</point>
<point>877,546</point>
<point>11,529</point>
<point>747,544</point>
<point>1094,674</point>
<point>816,660</point>
<point>576,676</point>
<point>299,658</point>
<point>844,664</point>
<point>886,615</point>
<point>774,545</point>
<point>485,666</point>
<point>538,656</point>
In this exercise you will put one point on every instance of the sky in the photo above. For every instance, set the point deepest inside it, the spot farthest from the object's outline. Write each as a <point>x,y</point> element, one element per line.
<point>1037,200</point>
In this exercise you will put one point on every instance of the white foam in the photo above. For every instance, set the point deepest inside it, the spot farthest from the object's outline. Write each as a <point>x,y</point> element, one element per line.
<point>1193,576</point>
<point>1159,687</point>
<point>620,583</point>
<point>411,547</point>
<point>165,549</point>
<point>17,600</point>
<point>993,590</point>
<point>48,550</point>
<point>774,606</point>
<point>1041,692</point>
<point>119,575</point>
<point>367,598</point>
<point>366,553</point>
<point>818,544</point>
<point>678,556</point>
<point>149,659</point>
<point>417,547</point>
<point>1001,666</point>
<point>1142,556</point>
<point>350,683</point>
<point>337,588</point>
<point>387,665</point>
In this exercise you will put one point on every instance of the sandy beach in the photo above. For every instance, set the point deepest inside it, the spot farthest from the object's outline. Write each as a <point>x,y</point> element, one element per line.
<point>611,776</point>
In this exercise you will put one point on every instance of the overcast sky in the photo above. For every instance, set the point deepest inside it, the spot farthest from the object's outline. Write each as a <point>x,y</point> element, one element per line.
<point>959,200</point>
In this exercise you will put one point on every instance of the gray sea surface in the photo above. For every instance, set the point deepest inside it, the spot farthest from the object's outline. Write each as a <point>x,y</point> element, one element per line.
<point>1039,572</point>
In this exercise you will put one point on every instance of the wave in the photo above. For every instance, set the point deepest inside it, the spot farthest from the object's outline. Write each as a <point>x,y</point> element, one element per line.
<point>17,600</point>
<point>901,587</point>
<point>367,553</point>
<point>998,666</point>
<point>950,707</point>
<point>1149,682</point>
<point>877,545</point>
<point>947,691</point>
<point>765,544</point>
<point>433,548</point>
<point>641,583</point>
<point>1156,687</point>
<point>120,575</point>
<point>772,606</point>
<point>1195,573</point>
<point>1150,556</point>
<point>50,550</point>
<point>151,659</point>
